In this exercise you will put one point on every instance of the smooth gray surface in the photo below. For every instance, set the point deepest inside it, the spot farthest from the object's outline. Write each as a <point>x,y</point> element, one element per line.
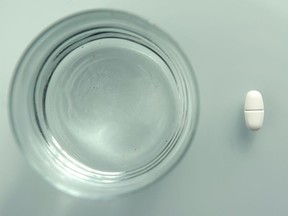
<point>234,46</point>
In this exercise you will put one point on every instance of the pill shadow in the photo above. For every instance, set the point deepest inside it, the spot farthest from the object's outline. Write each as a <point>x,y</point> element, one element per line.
<point>244,138</point>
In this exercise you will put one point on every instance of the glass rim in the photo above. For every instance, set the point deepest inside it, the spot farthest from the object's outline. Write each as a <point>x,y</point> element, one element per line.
<point>26,74</point>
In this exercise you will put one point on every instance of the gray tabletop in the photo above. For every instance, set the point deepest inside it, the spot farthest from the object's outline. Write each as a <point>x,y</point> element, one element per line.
<point>234,46</point>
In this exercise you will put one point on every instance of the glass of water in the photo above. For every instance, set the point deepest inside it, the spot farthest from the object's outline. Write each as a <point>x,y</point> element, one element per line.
<point>103,103</point>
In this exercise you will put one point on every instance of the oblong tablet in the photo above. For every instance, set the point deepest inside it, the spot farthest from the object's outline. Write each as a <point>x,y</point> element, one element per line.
<point>254,110</point>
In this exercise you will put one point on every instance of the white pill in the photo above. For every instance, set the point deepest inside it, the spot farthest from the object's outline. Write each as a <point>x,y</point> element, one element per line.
<point>254,110</point>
